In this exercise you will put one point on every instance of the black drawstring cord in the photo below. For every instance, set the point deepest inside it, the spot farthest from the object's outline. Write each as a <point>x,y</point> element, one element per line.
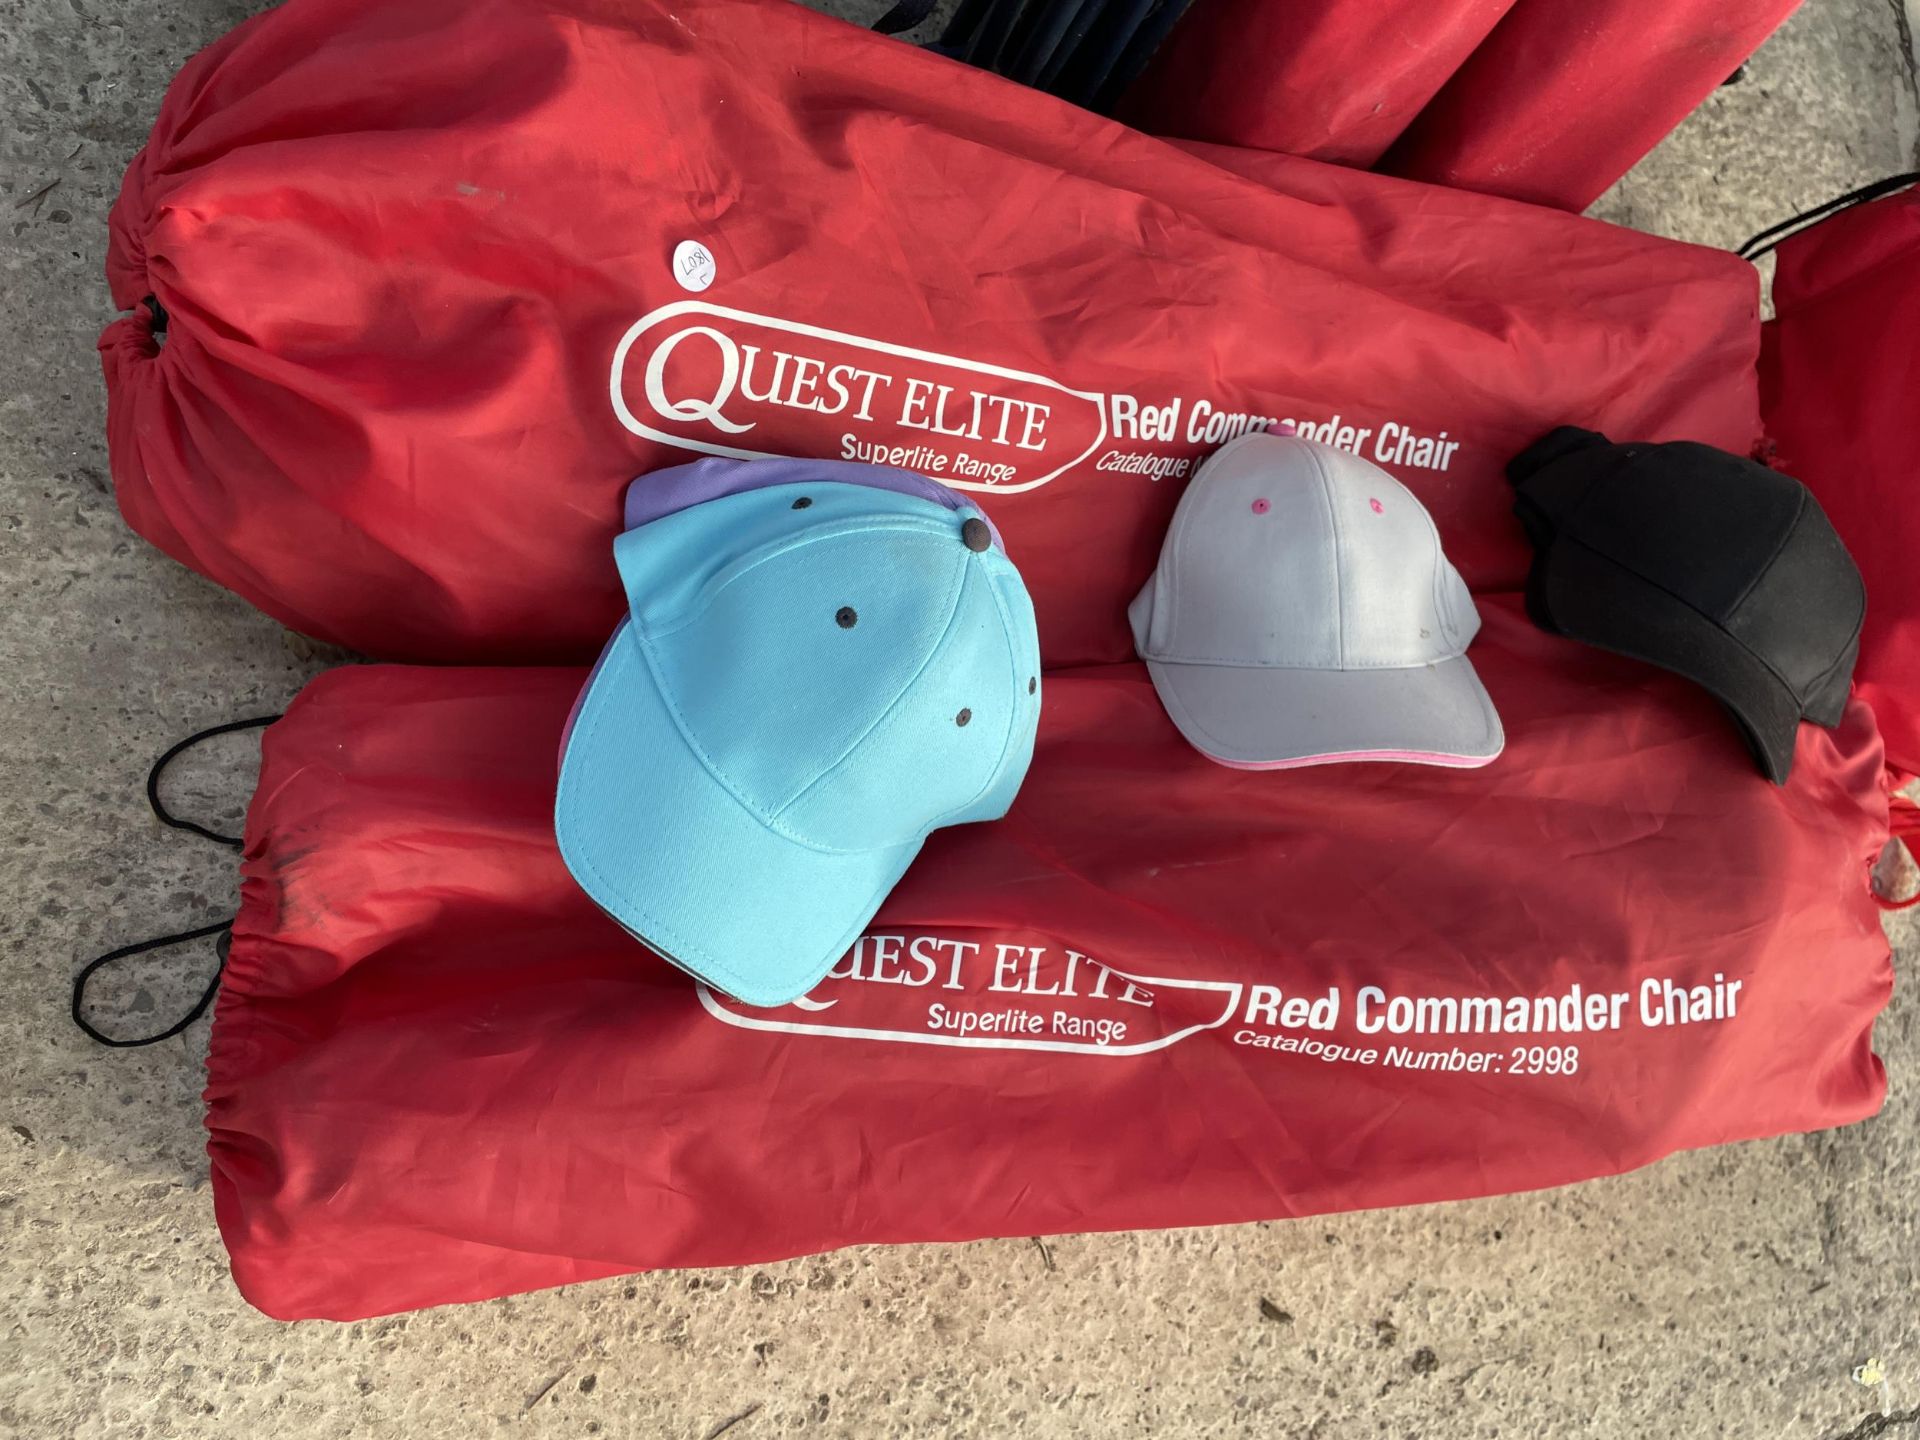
<point>224,928</point>
<point>166,816</point>
<point>1777,234</point>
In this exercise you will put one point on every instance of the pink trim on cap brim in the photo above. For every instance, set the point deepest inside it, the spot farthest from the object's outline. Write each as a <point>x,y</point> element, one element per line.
<point>1411,757</point>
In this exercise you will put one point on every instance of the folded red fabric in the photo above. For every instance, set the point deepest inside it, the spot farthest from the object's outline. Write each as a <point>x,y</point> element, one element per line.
<point>1837,380</point>
<point>1331,80</point>
<point>1161,992</point>
<point>1566,96</point>
<point>423,322</point>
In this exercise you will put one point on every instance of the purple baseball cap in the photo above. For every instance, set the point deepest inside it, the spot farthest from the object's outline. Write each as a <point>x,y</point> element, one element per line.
<point>662,492</point>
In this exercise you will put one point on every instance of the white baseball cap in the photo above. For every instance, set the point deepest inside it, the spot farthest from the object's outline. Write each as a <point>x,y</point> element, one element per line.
<point>1302,613</point>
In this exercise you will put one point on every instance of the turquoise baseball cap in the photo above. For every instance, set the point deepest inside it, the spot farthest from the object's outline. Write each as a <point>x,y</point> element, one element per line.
<point>812,676</point>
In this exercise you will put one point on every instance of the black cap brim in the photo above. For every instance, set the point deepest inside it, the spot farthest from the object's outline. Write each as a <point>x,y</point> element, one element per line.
<point>1589,598</point>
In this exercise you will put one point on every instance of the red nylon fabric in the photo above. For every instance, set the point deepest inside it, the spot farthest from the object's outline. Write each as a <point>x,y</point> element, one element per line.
<point>401,247</point>
<point>415,264</point>
<point>1839,374</point>
<point>1565,96</point>
<point>1325,79</point>
<point>438,1073</point>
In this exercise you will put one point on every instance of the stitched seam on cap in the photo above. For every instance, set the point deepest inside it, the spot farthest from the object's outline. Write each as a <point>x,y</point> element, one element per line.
<point>773,550</point>
<point>1171,547</point>
<point>1339,570</point>
<point>1442,593</point>
<point>671,935</point>
<point>959,584</point>
<point>1779,548</point>
<point>1684,604</point>
<point>714,773</point>
<point>1853,638</point>
<point>685,730</point>
<point>1171,551</point>
<point>1013,714</point>
<point>1819,681</point>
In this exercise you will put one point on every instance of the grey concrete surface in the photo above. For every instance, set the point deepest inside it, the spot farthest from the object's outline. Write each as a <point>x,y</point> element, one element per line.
<point>1826,104</point>
<point>1729,1292</point>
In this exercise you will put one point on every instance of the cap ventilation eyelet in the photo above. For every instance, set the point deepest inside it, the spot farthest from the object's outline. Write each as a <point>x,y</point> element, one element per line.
<point>803,502</point>
<point>846,617</point>
<point>1033,683</point>
<point>1262,505</point>
<point>962,718</point>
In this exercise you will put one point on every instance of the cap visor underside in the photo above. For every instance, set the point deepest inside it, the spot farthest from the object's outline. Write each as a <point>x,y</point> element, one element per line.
<point>1273,718</point>
<point>669,852</point>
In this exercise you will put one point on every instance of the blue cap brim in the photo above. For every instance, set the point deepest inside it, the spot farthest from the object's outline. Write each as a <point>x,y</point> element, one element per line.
<point>683,864</point>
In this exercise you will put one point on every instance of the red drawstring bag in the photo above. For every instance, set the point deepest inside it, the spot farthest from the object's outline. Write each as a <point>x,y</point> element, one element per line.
<point>1160,992</point>
<point>1838,380</point>
<point>1548,101</point>
<point>1565,96</point>
<point>423,323</point>
<point>1325,79</point>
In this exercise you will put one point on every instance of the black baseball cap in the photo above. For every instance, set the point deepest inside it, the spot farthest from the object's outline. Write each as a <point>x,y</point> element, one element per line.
<point>1701,562</point>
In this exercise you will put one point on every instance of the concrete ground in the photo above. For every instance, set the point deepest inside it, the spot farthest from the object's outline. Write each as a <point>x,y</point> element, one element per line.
<point>1729,1292</point>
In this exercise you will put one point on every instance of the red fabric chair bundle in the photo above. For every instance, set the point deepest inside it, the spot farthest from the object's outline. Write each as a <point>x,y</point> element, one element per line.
<point>1160,992</point>
<point>1565,96</point>
<point>1549,101</point>
<point>423,325</point>
<point>1839,377</point>
<point>1335,80</point>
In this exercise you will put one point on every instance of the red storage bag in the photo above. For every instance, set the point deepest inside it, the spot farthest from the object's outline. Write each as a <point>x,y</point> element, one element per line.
<point>1565,96</point>
<point>1160,992</point>
<point>1326,79</point>
<point>423,323</point>
<point>1840,383</point>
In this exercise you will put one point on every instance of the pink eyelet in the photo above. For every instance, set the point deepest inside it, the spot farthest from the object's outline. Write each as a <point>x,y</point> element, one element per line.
<point>1260,506</point>
<point>1378,508</point>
